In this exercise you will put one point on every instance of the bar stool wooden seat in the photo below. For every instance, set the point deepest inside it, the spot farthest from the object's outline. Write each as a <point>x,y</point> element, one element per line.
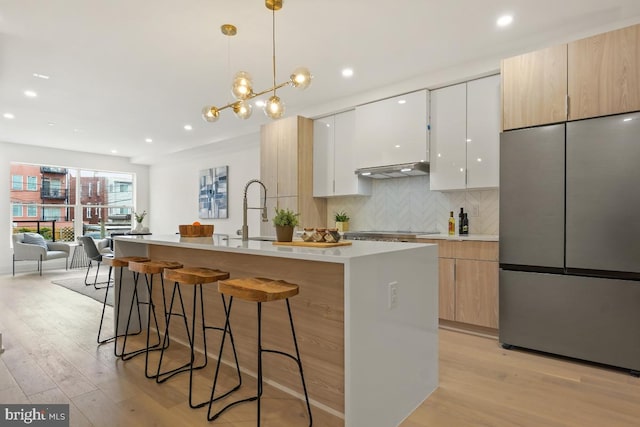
<point>117,262</point>
<point>196,277</point>
<point>149,269</point>
<point>259,290</point>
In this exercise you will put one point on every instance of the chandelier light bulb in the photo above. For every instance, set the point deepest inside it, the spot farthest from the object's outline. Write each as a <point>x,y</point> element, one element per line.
<point>274,108</point>
<point>301,78</point>
<point>242,109</point>
<point>242,87</point>
<point>210,113</point>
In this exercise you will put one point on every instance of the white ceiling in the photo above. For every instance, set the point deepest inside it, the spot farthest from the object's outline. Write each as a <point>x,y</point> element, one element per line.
<point>125,70</point>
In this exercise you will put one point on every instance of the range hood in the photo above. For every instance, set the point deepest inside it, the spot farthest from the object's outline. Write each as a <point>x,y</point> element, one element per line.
<point>394,171</point>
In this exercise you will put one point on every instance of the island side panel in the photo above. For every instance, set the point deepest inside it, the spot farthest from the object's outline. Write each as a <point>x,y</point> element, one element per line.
<point>318,312</point>
<point>392,353</point>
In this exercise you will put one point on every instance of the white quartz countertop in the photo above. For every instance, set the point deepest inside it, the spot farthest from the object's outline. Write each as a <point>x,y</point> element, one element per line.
<point>457,237</point>
<point>338,254</point>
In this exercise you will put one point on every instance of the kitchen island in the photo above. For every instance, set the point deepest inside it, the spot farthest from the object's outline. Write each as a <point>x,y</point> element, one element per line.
<point>369,352</point>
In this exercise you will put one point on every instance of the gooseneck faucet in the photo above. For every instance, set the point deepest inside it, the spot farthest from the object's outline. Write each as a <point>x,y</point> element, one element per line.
<point>245,227</point>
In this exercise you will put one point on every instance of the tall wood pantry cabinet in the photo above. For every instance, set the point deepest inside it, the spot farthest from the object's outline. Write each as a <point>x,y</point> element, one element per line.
<point>286,169</point>
<point>591,77</point>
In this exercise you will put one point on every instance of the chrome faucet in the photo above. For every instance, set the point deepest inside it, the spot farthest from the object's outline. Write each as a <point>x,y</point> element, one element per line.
<point>245,227</point>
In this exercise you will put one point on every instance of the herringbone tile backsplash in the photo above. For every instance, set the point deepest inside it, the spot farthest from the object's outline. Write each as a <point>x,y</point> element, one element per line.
<point>408,204</point>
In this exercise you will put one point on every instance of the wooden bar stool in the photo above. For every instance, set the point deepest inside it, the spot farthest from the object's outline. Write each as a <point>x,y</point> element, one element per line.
<point>117,262</point>
<point>258,290</point>
<point>196,277</point>
<point>149,269</point>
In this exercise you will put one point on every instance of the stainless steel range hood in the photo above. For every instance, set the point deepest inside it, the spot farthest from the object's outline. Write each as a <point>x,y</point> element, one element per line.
<point>394,171</point>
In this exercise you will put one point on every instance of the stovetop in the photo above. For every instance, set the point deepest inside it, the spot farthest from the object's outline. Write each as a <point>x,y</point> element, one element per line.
<point>395,235</point>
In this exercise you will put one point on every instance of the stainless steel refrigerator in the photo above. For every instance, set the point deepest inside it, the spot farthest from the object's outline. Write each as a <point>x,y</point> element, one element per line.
<point>570,239</point>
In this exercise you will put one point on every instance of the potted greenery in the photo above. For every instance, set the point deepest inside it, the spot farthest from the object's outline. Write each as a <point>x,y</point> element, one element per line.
<point>284,221</point>
<point>342,221</point>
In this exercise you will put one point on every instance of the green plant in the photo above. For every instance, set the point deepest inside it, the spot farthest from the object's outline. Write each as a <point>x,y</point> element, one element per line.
<point>285,217</point>
<point>140,216</point>
<point>342,216</point>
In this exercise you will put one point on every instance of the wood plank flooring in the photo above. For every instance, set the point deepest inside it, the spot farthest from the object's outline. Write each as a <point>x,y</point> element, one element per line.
<point>51,356</point>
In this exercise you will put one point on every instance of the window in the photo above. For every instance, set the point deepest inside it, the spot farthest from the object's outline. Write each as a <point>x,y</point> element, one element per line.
<point>16,182</point>
<point>75,198</point>
<point>32,183</point>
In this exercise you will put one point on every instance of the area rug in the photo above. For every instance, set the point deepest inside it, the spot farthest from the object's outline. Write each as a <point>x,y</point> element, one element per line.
<point>77,285</point>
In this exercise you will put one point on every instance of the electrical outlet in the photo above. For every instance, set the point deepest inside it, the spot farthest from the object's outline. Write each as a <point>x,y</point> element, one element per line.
<point>474,210</point>
<point>392,301</point>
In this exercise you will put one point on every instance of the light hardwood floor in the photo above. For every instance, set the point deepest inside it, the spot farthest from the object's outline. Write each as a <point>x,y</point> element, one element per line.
<point>51,357</point>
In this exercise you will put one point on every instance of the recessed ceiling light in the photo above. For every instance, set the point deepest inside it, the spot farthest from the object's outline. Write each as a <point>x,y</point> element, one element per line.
<point>188,127</point>
<point>402,101</point>
<point>77,130</point>
<point>8,116</point>
<point>30,93</point>
<point>504,20</point>
<point>397,145</point>
<point>41,76</point>
<point>628,119</point>
<point>51,124</point>
<point>114,151</point>
<point>405,170</point>
<point>260,103</point>
<point>347,72</point>
<point>468,139</point>
<point>479,159</point>
<point>366,173</point>
<point>148,140</point>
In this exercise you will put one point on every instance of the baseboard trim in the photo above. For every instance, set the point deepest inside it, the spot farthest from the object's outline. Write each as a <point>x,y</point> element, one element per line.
<point>480,331</point>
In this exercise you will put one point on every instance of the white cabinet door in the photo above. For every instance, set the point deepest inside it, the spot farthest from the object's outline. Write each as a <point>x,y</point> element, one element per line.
<point>346,182</point>
<point>323,156</point>
<point>392,131</point>
<point>483,132</point>
<point>334,157</point>
<point>448,138</point>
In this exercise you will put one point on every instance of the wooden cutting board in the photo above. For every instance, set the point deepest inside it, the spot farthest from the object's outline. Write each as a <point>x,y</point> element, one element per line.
<point>313,244</point>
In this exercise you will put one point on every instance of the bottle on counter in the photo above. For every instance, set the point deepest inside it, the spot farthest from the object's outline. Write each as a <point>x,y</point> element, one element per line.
<point>452,224</point>
<point>460,218</point>
<point>465,224</point>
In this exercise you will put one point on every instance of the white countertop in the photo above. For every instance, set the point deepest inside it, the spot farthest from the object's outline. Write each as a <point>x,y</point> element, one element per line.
<point>338,254</point>
<point>457,237</point>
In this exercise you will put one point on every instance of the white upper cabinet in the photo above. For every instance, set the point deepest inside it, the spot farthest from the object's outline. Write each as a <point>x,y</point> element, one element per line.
<point>392,131</point>
<point>334,157</point>
<point>448,135</point>
<point>483,132</point>
<point>465,135</point>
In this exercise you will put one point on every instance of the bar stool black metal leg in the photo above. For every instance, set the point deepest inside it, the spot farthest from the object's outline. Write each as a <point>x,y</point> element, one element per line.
<point>299,362</point>
<point>163,376</point>
<point>259,360</point>
<point>104,305</point>
<point>134,297</point>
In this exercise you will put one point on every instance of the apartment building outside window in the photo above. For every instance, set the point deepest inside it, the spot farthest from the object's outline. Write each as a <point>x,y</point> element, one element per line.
<point>16,182</point>
<point>16,210</point>
<point>32,183</point>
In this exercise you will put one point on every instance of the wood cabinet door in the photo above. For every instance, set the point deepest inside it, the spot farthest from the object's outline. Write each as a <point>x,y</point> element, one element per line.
<point>604,75</point>
<point>446,288</point>
<point>534,88</point>
<point>269,159</point>
<point>287,134</point>
<point>477,292</point>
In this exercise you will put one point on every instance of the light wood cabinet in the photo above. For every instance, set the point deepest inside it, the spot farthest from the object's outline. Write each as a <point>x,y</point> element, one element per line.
<point>591,77</point>
<point>465,135</point>
<point>468,281</point>
<point>534,88</point>
<point>604,74</point>
<point>286,169</point>
<point>334,157</point>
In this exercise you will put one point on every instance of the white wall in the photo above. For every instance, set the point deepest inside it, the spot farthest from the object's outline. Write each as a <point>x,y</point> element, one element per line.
<point>174,197</point>
<point>61,158</point>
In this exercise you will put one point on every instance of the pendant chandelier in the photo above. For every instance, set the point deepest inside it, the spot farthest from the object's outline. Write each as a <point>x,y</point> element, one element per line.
<point>242,85</point>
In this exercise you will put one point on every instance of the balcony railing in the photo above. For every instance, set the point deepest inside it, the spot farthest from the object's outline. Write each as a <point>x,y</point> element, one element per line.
<point>57,194</point>
<point>49,169</point>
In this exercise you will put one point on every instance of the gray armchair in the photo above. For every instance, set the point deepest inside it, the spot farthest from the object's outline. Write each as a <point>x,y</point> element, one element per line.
<point>42,251</point>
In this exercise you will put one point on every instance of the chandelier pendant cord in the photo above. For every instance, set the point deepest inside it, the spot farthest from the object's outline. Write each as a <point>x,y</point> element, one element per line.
<point>273,34</point>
